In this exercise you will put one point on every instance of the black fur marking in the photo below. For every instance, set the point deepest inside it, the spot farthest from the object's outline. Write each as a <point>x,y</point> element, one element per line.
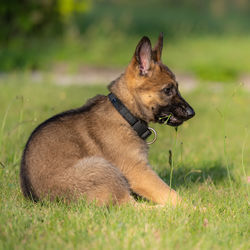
<point>175,113</point>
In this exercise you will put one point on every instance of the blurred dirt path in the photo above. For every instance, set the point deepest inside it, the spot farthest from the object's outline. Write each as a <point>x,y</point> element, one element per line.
<point>89,75</point>
<point>100,75</point>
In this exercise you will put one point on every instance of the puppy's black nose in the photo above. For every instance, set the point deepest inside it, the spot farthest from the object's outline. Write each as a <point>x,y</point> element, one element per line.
<point>190,112</point>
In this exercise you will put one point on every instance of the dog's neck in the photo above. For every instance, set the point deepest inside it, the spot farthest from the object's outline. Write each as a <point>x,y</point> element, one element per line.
<point>120,88</point>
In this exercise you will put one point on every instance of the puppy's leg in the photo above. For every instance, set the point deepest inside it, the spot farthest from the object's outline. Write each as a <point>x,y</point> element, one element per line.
<point>95,179</point>
<point>144,181</point>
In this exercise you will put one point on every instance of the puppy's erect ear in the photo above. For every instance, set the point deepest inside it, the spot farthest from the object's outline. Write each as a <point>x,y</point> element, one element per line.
<point>143,55</point>
<point>158,49</point>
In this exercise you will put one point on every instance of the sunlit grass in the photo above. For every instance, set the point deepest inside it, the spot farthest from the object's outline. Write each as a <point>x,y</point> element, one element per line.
<point>198,171</point>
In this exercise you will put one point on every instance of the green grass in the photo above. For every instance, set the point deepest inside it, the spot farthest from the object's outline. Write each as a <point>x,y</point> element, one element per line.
<point>208,39</point>
<point>209,57</point>
<point>203,148</point>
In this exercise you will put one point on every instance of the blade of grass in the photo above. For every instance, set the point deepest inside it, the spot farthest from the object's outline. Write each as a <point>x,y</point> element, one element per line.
<point>173,157</point>
<point>3,126</point>
<point>242,159</point>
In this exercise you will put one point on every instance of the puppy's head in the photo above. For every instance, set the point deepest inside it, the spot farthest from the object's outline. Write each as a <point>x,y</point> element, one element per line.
<point>154,87</point>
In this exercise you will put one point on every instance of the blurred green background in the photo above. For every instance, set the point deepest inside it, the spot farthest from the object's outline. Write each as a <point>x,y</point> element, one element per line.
<point>207,38</point>
<point>46,43</point>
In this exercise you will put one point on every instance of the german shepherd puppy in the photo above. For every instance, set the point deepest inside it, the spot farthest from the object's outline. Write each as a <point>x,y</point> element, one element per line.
<point>94,152</point>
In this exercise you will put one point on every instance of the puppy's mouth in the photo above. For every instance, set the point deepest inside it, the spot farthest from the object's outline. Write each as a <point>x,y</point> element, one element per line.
<point>169,119</point>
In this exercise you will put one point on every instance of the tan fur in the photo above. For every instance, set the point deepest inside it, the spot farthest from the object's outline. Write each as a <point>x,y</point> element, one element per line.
<point>93,152</point>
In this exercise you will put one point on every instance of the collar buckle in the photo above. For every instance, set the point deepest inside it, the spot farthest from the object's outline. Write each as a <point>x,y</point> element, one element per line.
<point>155,136</point>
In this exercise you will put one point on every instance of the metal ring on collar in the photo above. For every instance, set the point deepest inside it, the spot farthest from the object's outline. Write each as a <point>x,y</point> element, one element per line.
<point>155,136</point>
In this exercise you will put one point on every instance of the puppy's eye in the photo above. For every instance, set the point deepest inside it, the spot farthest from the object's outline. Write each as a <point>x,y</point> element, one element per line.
<point>168,91</point>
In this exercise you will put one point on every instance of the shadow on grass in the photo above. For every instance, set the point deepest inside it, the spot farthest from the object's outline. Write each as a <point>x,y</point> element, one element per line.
<point>208,172</point>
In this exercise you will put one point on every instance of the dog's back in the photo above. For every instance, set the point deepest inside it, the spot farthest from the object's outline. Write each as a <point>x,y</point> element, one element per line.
<point>63,158</point>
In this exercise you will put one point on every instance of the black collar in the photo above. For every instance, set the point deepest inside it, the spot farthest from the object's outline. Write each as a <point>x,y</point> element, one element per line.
<point>138,125</point>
